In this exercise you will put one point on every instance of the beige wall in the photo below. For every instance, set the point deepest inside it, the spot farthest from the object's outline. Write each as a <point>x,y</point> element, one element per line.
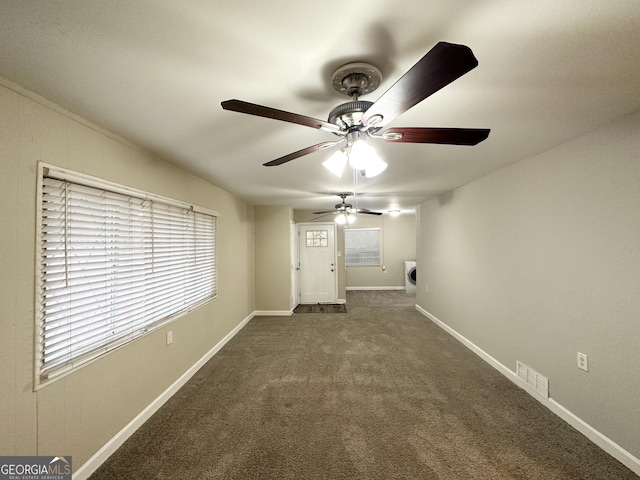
<point>398,237</point>
<point>273,258</point>
<point>77,414</point>
<point>541,260</point>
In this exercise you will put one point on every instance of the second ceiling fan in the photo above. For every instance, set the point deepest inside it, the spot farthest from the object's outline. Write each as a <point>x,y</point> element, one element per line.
<point>345,211</point>
<point>358,119</point>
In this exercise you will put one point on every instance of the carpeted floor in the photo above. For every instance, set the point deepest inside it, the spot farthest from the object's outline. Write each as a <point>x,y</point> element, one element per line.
<point>377,393</point>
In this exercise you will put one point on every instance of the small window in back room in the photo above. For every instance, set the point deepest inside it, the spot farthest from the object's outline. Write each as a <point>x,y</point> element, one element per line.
<point>362,247</point>
<point>115,263</point>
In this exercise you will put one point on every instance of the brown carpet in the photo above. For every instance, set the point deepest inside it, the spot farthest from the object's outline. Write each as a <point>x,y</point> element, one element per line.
<point>321,308</point>
<point>377,393</point>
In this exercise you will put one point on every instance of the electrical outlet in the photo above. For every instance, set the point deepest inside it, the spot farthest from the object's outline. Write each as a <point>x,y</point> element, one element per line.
<point>583,362</point>
<point>169,337</point>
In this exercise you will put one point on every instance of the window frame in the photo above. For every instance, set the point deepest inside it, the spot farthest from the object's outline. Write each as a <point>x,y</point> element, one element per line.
<point>380,250</point>
<point>63,174</point>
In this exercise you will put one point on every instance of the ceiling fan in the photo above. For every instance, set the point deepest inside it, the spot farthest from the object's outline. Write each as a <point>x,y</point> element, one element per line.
<point>360,119</point>
<point>345,211</point>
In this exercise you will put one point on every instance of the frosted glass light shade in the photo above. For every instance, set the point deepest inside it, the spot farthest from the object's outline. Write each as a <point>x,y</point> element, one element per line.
<point>336,163</point>
<point>375,166</point>
<point>341,219</point>
<point>359,155</point>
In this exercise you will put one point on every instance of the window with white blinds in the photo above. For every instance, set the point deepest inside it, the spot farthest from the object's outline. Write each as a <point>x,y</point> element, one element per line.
<point>362,247</point>
<point>114,266</point>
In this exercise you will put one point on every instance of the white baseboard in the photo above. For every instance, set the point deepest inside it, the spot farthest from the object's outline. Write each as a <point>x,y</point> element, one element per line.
<point>602,441</point>
<point>273,313</point>
<point>116,442</point>
<point>395,287</point>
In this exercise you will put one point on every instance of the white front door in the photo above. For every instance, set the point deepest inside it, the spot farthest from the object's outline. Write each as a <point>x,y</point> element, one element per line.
<point>318,272</point>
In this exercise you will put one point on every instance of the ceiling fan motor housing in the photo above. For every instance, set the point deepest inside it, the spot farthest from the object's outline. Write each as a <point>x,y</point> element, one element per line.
<point>348,115</point>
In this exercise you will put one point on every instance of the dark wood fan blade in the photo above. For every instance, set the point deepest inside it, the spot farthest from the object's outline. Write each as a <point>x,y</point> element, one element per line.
<point>368,212</point>
<point>322,216</point>
<point>443,64</point>
<point>300,153</point>
<point>449,136</point>
<point>326,212</point>
<point>268,112</point>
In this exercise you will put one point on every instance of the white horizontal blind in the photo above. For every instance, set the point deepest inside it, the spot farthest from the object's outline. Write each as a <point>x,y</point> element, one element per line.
<point>113,267</point>
<point>362,246</point>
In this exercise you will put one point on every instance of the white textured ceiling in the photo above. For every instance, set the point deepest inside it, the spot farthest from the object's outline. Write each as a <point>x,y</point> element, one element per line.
<point>155,72</point>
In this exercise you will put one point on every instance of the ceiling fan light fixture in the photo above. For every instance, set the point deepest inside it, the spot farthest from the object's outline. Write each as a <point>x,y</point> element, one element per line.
<point>394,213</point>
<point>345,217</point>
<point>360,153</point>
<point>336,163</point>
<point>341,218</point>
<point>375,166</point>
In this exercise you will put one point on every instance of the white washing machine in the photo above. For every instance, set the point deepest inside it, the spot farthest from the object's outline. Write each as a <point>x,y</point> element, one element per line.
<point>410,276</point>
